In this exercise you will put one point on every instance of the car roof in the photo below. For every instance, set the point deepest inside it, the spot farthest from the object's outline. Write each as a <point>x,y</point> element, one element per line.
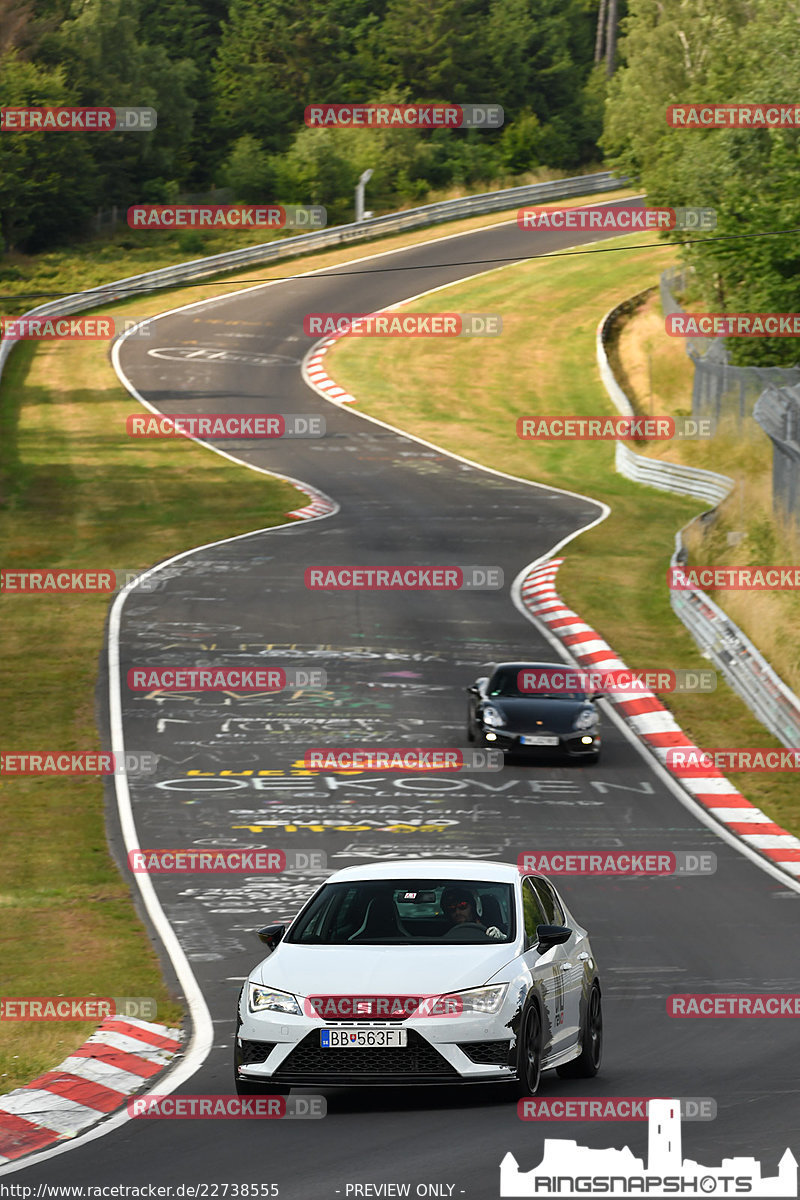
<point>475,869</point>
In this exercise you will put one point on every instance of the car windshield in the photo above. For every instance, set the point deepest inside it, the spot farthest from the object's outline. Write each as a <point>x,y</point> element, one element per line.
<point>433,912</point>
<point>505,682</point>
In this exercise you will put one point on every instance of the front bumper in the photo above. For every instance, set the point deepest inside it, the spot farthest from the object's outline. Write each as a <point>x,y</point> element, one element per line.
<point>282,1049</point>
<point>569,744</point>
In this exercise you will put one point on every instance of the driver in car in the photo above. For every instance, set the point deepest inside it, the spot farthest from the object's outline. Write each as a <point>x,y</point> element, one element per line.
<point>460,907</point>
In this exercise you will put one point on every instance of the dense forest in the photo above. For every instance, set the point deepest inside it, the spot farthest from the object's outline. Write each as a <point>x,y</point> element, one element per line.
<point>230,80</point>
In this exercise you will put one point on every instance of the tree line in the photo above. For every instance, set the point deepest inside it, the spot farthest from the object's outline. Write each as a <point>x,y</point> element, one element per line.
<point>230,80</point>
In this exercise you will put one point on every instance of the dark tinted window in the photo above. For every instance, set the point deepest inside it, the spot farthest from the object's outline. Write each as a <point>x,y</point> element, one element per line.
<point>553,912</point>
<point>532,910</point>
<point>504,682</point>
<point>407,912</point>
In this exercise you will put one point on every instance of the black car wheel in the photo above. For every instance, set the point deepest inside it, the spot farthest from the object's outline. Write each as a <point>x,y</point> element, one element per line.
<point>529,1052</point>
<point>587,1064</point>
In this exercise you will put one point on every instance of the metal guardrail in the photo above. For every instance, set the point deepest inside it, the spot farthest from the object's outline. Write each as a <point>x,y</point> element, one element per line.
<point>720,640</point>
<point>413,218</point>
<point>653,472</point>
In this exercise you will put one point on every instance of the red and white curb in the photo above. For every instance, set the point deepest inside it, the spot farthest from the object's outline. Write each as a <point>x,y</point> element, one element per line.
<point>120,1058</point>
<point>316,372</point>
<point>320,506</point>
<point>655,725</point>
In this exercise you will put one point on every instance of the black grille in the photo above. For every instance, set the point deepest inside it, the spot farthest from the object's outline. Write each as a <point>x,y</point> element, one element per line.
<point>495,1053</point>
<point>416,1059</point>
<point>256,1052</point>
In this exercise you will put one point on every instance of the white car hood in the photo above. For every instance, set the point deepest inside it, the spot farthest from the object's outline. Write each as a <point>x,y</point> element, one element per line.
<point>381,970</point>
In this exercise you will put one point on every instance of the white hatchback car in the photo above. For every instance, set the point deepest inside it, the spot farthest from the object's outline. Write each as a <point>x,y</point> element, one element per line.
<point>433,971</point>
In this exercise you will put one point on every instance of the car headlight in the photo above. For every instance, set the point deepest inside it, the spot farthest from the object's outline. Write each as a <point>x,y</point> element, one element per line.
<point>586,719</point>
<point>261,999</point>
<point>480,1001</point>
<point>493,717</point>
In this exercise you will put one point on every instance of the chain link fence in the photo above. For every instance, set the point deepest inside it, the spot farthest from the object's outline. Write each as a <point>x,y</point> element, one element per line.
<point>721,391</point>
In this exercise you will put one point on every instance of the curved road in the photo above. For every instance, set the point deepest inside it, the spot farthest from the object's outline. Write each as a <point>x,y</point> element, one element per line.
<point>397,665</point>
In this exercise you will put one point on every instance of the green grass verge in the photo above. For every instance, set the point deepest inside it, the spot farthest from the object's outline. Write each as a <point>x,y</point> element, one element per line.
<point>466,395</point>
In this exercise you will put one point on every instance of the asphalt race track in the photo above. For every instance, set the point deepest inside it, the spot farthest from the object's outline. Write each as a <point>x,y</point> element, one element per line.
<point>397,664</point>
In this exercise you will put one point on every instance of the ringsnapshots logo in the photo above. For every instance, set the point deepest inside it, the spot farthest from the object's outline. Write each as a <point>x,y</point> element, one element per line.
<point>227,1108</point>
<point>625,218</point>
<point>734,579</point>
<point>404,116</point>
<point>78,120</point>
<point>617,862</point>
<point>224,862</point>
<point>616,682</point>
<point>607,429</point>
<point>77,1008</point>
<point>414,578</point>
<point>224,679</point>
<point>394,324</point>
<point>90,762</point>
<point>610,1108</point>
<point>753,324</point>
<point>733,116</point>
<point>402,759</point>
<point>567,1169</point>
<point>227,216</point>
<point>225,425</point>
<point>691,760</point>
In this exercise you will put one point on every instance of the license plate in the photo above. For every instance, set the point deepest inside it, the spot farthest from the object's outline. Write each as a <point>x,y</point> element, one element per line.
<point>538,740</point>
<point>360,1039</point>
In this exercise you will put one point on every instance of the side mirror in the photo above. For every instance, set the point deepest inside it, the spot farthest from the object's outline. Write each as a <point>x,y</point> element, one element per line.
<point>552,935</point>
<point>270,935</point>
<point>473,689</point>
<point>595,696</point>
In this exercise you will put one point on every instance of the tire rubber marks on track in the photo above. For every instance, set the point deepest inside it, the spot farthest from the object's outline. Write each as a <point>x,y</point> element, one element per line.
<point>655,725</point>
<point>116,1061</point>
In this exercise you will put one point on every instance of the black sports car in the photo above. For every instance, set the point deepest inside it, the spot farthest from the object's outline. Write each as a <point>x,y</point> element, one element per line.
<point>526,708</point>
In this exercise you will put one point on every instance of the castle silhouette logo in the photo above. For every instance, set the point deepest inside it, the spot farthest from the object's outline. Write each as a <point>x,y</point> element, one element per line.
<point>568,1169</point>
